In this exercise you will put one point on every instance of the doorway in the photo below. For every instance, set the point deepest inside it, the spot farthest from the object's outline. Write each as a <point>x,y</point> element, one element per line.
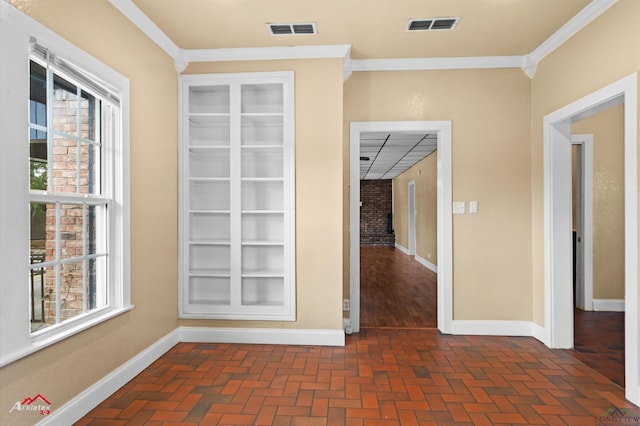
<point>559,325</point>
<point>583,221</point>
<point>444,231</point>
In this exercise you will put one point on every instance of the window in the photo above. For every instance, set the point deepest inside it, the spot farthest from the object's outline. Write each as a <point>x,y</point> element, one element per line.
<point>68,256</point>
<point>63,189</point>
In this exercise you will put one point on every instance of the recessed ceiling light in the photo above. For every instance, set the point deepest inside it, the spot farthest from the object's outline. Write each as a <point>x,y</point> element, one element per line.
<point>293,28</point>
<point>432,24</point>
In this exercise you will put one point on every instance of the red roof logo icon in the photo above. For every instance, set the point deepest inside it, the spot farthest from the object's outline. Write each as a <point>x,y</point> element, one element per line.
<point>29,401</point>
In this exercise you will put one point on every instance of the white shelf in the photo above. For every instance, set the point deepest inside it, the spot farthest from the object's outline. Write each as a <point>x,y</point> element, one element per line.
<point>210,242</point>
<point>262,243</point>
<point>209,99</point>
<point>237,199</point>
<point>209,130</point>
<point>264,129</point>
<point>209,179</point>
<point>210,273</point>
<point>262,98</point>
<point>209,211</point>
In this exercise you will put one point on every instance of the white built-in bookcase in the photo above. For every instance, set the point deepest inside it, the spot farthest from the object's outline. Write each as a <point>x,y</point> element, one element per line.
<point>237,255</point>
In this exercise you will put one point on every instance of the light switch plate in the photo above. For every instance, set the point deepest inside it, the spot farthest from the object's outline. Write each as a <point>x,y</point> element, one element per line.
<point>458,207</point>
<point>473,207</point>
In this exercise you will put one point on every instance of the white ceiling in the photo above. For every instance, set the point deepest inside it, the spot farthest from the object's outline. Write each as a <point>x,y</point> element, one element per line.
<point>391,153</point>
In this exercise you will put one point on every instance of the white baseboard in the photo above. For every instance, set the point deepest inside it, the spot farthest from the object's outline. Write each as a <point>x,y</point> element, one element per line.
<point>402,249</point>
<point>497,328</point>
<point>272,336</point>
<point>90,398</point>
<point>610,305</point>
<point>427,264</point>
<point>538,332</point>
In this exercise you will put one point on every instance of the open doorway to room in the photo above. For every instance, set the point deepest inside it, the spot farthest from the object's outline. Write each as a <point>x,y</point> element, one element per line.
<point>598,241</point>
<point>559,295</point>
<point>383,151</point>
<point>398,229</point>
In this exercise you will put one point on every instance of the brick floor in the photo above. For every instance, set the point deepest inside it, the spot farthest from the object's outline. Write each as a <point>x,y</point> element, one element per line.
<point>381,377</point>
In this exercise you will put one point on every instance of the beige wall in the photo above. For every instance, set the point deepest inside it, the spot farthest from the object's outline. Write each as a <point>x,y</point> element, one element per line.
<point>63,370</point>
<point>607,129</point>
<point>605,51</point>
<point>490,115</point>
<point>425,175</point>
<point>319,150</point>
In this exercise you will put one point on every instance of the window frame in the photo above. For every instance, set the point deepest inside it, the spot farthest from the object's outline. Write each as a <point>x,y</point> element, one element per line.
<point>18,33</point>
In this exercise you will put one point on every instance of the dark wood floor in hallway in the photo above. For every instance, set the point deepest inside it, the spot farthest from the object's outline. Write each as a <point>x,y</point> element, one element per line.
<point>396,290</point>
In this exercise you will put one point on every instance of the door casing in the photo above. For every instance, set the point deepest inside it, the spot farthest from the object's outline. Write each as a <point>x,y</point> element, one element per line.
<point>558,300</point>
<point>444,214</point>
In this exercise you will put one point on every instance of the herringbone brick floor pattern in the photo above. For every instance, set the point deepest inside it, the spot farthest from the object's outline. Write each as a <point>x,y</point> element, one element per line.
<point>381,377</point>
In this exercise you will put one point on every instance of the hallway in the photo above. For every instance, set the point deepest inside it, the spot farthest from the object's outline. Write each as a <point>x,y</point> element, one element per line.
<point>396,290</point>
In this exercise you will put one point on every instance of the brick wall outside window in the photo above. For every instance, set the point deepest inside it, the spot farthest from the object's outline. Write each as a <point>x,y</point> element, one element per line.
<point>71,215</point>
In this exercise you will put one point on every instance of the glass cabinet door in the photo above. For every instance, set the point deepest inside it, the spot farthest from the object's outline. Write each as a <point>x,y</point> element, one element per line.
<point>237,197</point>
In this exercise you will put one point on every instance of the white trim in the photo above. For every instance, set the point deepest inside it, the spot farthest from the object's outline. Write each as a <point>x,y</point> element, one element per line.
<point>527,63</point>
<point>403,249</point>
<point>267,53</point>
<point>424,262</point>
<point>445,226</point>
<point>558,304</point>
<point>496,328</point>
<point>568,30</point>
<point>608,305</point>
<point>264,336</point>
<point>91,397</point>
<point>235,310</point>
<point>427,64</point>
<point>147,26</point>
<point>18,32</point>
<point>88,321</point>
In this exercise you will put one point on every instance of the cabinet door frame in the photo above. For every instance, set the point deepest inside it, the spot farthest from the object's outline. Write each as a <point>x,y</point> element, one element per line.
<point>235,309</point>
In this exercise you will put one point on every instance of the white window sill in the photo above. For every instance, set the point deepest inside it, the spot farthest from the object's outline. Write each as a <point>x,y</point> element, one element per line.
<point>49,337</point>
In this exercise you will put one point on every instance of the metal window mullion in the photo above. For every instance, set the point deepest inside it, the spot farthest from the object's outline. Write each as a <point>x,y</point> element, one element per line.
<point>57,260</point>
<point>65,261</point>
<point>74,137</point>
<point>78,143</point>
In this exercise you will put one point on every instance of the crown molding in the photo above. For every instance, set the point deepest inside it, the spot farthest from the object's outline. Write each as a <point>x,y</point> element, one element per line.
<point>267,53</point>
<point>341,51</point>
<point>431,64</point>
<point>528,63</point>
<point>147,26</point>
<point>568,30</point>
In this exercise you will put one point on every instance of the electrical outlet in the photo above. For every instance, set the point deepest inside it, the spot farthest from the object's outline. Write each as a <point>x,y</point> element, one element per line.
<point>346,305</point>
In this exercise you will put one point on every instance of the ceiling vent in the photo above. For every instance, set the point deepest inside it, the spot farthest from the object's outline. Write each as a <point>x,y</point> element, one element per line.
<point>293,28</point>
<point>432,24</point>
